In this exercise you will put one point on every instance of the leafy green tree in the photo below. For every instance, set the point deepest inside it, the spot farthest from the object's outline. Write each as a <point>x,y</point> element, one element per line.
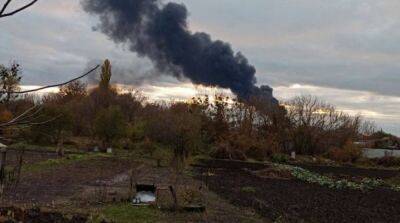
<point>110,125</point>
<point>105,75</point>
<point>56,124</point>
<point>105,95</point>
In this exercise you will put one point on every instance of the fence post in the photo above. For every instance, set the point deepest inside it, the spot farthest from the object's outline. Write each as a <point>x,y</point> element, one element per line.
<point>3,153</point>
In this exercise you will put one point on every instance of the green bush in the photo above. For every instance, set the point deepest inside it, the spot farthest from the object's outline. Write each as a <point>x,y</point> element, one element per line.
<point>248,189</point>
<point>110,125</point>
<point>136,132</point>
<point>279,158</point>
<point>19,146</point>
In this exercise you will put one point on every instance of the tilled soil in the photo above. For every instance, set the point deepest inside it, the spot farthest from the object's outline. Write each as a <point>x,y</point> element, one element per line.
<point>29,157</point>
<point>65,181</point>
<point>230,164</point>
<point>296,201</point>
<point>35,215</point>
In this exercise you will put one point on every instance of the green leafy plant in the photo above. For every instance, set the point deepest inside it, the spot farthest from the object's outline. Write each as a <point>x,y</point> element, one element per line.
<point>279,158</point>
<point>310,177</point>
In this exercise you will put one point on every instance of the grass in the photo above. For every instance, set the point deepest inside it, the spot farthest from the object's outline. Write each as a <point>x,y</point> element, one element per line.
<point>126,213</point>
<point>50,163</point>
<point>218,209</point>
<point>41,148</point>
<point>248,189</point>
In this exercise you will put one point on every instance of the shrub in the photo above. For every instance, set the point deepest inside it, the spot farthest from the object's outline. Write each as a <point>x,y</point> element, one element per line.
<point>19,146</point>
<point>192,196</point>
<point>163,156</point>
<point>260,150</point>
<point>279,158</point>
<point>149,146</point>
<point>387,161</point>
<point>256,153</point>
<point>349,153</point>
<point>136,132</point>
<point>124,143</point>
<point>225,151</point>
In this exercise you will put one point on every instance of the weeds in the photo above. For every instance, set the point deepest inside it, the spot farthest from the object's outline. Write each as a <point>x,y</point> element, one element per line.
<point>60,161</point>
<point>248,189</point>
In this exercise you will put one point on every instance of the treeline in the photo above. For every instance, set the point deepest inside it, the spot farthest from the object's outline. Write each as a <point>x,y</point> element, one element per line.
<point>219,126</point>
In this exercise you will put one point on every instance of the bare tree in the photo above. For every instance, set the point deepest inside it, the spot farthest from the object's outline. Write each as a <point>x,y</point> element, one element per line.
<point>316,126</point>
<point>368,128</point>
<point>3,12</point>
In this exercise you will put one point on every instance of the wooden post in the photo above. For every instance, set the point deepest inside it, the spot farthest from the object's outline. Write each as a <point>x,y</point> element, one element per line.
<point>3,153</point>
<point>173,193</point>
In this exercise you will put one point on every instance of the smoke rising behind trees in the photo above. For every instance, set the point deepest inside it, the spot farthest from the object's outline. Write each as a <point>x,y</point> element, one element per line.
<point>160,32</point>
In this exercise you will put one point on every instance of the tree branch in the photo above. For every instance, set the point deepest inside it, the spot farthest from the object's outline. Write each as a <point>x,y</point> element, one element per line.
<point>54,85</point>
<point>2,14</point>
<point>5,6</point>
<point>19,117</point>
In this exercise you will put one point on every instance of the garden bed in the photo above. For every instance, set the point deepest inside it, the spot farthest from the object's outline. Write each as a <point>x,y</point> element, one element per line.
<point>351,171</point>
<point>61,179</point>
<point>29,157</point>
<point>294,200</point>
<point>35,215</point>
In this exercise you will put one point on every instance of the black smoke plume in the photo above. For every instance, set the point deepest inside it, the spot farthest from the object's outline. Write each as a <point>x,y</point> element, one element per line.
<point>160,32</point>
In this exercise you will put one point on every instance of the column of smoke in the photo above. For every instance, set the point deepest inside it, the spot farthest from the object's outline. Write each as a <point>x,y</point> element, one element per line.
<point>160,32</point>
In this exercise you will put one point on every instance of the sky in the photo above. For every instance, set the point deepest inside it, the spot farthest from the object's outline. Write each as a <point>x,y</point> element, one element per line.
<point>346,52</point>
